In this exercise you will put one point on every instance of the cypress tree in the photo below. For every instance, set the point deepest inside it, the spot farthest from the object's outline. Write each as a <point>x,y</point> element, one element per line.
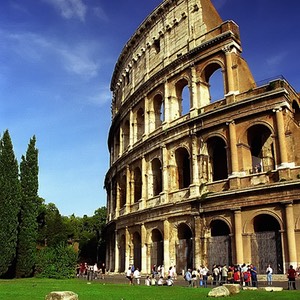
<point>10,197</point>
<point>28,227</point>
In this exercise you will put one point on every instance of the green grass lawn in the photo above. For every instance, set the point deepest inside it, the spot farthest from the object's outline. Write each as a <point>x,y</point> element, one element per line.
<point>37,289</point>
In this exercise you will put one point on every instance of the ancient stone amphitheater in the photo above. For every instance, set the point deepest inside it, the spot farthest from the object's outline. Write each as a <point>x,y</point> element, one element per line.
<point>204,162</point>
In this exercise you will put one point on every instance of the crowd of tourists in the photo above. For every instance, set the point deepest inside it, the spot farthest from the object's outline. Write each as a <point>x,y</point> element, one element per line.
<point>91,272</point>
<point>245,275</point>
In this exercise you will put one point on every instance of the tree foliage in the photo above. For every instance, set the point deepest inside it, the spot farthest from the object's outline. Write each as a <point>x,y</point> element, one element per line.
<point>57,262</point>
<point>10,199</point>
<point>28,226</point>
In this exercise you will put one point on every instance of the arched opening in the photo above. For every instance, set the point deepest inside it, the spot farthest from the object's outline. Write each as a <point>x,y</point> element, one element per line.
<point>296,112</point>
<point>157,176</point>
<point>158,110</point>
<point>216,86</point>
<point>217,156</point>
<point>122,191</point>
<point>219,244</point>
<point>122,253</point>
<point>157,253</point>
<point>261,146</point>
<point>266,247</point>
<point>116,150</point>
<point>212,87</point>
<point>184,248</point>
<point>126,129</point>
<point>183,96</point>
<point>113,195</point>
<point>137,251</point>
<point>183,168</point>
<point>140,123</point>
<point>137,184</point>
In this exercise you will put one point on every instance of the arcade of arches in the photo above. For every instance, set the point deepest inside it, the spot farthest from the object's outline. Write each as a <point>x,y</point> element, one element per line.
<point>262,244</point>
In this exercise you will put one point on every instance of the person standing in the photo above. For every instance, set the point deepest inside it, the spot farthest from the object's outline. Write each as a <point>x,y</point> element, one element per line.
<point>269,272</point>
<point>129,275</point>
<point>103,271</point>
<point>203,273</point>
<point>253,272</point>
<point>291,278</point>
<point>188,277</point>
<point>137,276</point>
<point>224,272</point>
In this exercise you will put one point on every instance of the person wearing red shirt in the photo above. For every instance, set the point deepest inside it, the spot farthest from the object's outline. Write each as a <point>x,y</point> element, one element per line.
<point>291,278</point>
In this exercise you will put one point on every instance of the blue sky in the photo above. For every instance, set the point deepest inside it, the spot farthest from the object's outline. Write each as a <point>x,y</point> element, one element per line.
<point>56,62</point>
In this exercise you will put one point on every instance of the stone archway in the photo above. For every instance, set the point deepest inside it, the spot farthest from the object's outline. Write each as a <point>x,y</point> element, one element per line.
<point>219,244</point>
<point>122,251</point>
<point>184,248</point>
<point>157,251</point>
<point>137,254</point>
<point>266,247</point>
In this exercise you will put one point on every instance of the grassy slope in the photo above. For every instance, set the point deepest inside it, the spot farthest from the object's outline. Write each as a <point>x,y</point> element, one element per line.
<point>37,289</point>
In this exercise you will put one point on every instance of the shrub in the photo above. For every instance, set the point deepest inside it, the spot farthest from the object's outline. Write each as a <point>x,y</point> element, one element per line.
<point>56,262</point>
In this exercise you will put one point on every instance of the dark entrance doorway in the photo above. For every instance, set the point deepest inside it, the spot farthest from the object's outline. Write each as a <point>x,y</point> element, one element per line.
<point>137,250</point>
<point>219,244</point>
<point>184,248</point>
<point>157,253</point>
<point>266,245</point>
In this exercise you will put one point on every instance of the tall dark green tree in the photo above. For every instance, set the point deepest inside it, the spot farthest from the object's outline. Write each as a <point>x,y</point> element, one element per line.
<point>28,224</point>
<point>10,199</point>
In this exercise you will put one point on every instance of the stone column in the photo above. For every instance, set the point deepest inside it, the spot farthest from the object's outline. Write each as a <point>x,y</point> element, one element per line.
<point>132,129</point>
<point>166,244</point>
<point>117,253</point>
<point>128,249</point>
<point>290,232</point>
<point>233,148</point>
<point>121,148</point>
<point>165,174</point>
<point>144,183</point>
<point>128,189</point>
<point>167,107</point>
<point>194,93</point>
<point>281,137</point>
<point>238,236</point>
<point>146,116</point>
<point>229,72</point>
<point>144,268</point>
<point>194,187</point>
<point>197,244</point>
<point>117,199</point>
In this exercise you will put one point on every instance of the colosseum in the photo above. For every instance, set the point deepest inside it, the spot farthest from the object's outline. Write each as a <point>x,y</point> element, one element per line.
<point>195,178</point>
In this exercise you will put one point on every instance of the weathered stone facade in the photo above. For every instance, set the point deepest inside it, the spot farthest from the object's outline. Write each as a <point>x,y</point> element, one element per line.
<point>195,180</point>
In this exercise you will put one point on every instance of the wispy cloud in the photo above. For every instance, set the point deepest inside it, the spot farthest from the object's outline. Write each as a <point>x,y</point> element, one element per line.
<point>276,59</point>
<point>78,59</point>
<point>100,97</point>
<point>70,8</point>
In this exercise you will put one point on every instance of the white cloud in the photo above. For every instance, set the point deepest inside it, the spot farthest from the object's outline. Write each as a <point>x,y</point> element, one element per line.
<point>77,59</point>
<point>70,8</point>
<point>101,96</point>
<point>277,59</point>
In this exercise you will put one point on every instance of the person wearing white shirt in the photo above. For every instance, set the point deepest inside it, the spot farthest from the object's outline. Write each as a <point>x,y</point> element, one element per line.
<point>269,272</point>
<point>137,275</point>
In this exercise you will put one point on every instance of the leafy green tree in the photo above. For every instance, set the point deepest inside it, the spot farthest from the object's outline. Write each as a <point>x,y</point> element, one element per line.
<point>52,229</point>
<point>91,240</point>
<point>28,226</point>
<point>10,199</point>
<point>57,262</point>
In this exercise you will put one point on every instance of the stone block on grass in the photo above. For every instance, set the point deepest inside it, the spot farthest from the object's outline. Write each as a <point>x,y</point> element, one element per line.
<point>64,295</point>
